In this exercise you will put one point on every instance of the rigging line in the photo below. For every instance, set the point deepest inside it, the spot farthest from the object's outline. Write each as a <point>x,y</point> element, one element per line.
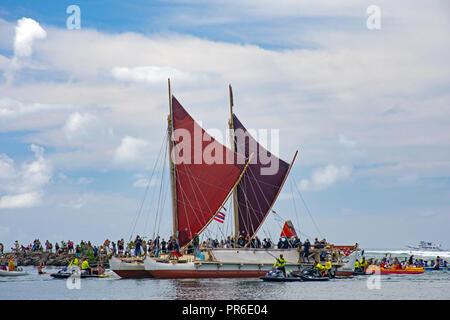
<point>184,196</point>
<point>295,206</point>
<point>145,194</point>
<point>307,210</point>
<point>162,190</point>
<point>150,181</point>
<point>260,209</point>
<point>167,191</point>
<point>201,193</point>
<point>162,170</point>
<point>204,182</point>
<point>146,190</point>
<point>246,205</point>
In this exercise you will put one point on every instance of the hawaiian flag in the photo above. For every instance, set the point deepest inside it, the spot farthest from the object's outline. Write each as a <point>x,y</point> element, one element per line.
<point>220,217</point>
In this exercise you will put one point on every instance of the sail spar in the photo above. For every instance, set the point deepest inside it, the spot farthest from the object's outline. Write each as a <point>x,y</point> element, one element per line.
<point>257,190</point>
<point>206,172</point>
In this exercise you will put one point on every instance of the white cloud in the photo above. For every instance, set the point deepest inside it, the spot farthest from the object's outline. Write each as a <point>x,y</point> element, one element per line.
<point>143,182</point>
<point>129,150</point>
<point>23,200</point>
<point>77,124</point>
<point>27,31</point>
<point>149,74</point>
<point>324,178</point>
<point>345,141</point>
<point>23,186</point>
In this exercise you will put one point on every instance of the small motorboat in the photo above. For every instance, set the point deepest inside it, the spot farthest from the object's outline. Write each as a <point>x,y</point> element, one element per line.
<point>311,274</point>
<point>16,273</point>
<point>275,275</point>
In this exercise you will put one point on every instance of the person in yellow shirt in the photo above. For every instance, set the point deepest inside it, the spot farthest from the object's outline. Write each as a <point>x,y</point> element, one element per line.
<point>320,268</point>
<point>85,266</point>
<point>357,266</point>
<point>280,264</point>
<point>363,264</point>
<point>74,262</point>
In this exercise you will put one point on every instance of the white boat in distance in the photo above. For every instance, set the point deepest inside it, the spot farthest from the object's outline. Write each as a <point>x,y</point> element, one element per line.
<point>427,246</point>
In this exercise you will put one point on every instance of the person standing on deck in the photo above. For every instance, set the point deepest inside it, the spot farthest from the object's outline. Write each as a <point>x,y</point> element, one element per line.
<point>306,247</point>
<point>196,244</point>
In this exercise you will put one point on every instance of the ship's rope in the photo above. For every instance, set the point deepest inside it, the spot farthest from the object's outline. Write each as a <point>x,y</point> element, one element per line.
<point>141,205</point>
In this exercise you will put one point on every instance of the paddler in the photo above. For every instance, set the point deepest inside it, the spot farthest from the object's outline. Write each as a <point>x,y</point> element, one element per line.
<point>280,264</point>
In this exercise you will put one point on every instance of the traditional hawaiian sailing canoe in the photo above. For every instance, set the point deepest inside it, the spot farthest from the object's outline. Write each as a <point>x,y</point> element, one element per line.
<point>203,178</point>
<point>254,196</point>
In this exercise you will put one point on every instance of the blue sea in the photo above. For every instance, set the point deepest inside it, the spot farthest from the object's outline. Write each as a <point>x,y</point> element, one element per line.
<point>431,285</point>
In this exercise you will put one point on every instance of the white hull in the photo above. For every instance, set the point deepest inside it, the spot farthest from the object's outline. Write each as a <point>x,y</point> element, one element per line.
<point>224,263</point>
<point>4,273</point>
<point>126,269</point>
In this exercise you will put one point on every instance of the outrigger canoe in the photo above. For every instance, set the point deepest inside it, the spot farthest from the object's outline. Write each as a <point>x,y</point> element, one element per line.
<point>407,270</point>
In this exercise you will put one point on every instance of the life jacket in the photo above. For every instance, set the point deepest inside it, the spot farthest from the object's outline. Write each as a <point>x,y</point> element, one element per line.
<point>74,262</point>
<point>357,264</point>
<point>363,263</point>
<point>85,265</point>
<point>279,263</point>
<point>319,266</point>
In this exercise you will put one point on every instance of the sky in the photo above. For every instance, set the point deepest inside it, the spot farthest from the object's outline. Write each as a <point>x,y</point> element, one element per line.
<point>363,95</point>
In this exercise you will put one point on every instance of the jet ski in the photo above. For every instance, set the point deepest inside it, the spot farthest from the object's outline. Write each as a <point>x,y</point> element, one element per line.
<point>275,275</point>
<point>311,274</point>
<point>68,272</point>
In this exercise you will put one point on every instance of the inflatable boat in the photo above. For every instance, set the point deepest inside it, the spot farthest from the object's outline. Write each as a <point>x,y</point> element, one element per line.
<point>407,270</point>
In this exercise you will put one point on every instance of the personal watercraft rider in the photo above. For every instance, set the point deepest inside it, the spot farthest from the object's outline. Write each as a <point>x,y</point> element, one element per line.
<point>320,268</point>
<point>279,264</point>
<point>85,266</point>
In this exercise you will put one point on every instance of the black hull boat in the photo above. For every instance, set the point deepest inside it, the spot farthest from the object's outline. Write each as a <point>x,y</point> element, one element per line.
<point>306,275</point>
<point>67,273</point>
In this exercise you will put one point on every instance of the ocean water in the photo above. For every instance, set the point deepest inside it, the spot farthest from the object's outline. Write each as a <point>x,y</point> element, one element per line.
<point>434,285</point>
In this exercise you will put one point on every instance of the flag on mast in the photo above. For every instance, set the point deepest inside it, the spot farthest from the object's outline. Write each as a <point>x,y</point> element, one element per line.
<point>220,217</point>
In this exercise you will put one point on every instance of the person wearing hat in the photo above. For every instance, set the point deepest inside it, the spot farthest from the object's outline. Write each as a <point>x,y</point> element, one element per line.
<point>280,264</point>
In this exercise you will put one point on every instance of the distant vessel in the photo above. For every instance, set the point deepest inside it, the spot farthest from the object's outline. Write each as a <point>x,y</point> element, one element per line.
<point>427,246</point>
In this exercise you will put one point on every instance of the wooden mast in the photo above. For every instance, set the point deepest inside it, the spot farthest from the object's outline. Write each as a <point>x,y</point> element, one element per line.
<point>172,166</point>
<point>233,147</point>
